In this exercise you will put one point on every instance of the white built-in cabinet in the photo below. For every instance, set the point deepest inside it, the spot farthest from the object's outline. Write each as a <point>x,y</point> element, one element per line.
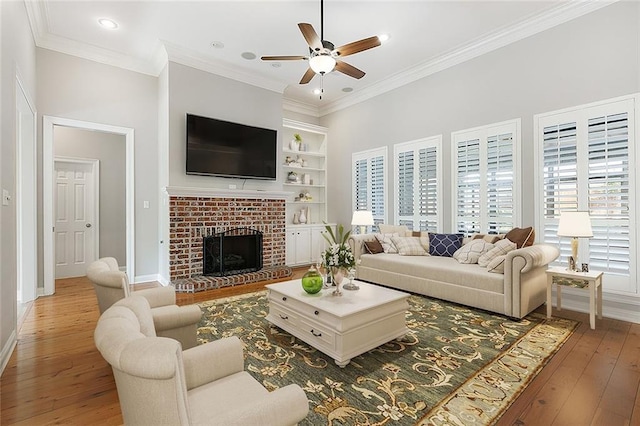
<point>304,173</point>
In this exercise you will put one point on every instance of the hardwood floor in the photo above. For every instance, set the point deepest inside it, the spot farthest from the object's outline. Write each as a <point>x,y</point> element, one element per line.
<point>56,375</point>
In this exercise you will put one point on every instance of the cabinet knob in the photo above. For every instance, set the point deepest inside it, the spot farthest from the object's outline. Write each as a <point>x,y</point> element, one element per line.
<point>284,299</point>
<point>316,313</point>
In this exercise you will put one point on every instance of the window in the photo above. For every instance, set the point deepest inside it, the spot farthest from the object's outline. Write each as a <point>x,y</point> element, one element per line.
<point>486,167</point>
<point>418,194</point>
<point>369,183</point>
<point>585,162</point>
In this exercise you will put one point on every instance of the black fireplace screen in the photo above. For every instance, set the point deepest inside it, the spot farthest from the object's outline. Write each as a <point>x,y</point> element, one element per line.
<point>236,251</point>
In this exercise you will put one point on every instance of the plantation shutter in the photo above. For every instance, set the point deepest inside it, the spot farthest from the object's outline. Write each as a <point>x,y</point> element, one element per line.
<point>486,162</point>
<point>417,186</point>
<point>586,165</point>
<point>369,182</point>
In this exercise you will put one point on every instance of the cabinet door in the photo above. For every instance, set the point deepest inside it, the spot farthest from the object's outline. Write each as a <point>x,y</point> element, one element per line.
<point>298,247</point>
<point>318,243</point>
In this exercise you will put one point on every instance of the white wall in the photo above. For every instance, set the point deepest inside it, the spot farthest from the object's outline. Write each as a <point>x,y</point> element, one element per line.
<point>79,89</point>
<point>18,54</point>
<point>548,71</point>
<point>109,149</point>
<point>198,92</point>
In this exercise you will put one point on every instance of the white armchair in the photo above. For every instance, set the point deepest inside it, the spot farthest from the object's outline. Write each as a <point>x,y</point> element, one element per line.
<point>159,384</point>
<point>170,320</point>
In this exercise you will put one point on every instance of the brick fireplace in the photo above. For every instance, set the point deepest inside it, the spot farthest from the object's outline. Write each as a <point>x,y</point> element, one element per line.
<point>196,213</point>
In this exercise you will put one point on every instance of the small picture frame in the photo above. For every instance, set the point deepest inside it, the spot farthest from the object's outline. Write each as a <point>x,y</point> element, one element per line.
<point>585,267</point>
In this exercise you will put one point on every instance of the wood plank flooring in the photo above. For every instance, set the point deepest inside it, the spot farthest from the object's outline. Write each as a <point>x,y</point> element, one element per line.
<point>56,376</point>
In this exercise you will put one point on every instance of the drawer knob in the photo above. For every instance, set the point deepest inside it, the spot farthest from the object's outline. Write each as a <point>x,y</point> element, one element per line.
<point>284,299</point>
<point>317,335</point>
<point>284,317</point>
<point>316,313</point>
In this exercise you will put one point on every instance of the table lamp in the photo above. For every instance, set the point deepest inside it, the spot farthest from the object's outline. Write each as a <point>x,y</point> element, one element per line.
<point>575,225</point>
<point>362,218</point>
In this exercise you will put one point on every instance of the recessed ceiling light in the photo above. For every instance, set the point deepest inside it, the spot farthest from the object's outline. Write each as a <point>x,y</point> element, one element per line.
<point>217,44</point>
<point>276,64</point>
<point>248,55</point>
<point>384,37</point>
<point>347,89</point>
<point>108,23</point>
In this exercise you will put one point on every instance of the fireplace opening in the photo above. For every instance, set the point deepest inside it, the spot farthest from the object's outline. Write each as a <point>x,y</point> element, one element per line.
<point>235,251</point>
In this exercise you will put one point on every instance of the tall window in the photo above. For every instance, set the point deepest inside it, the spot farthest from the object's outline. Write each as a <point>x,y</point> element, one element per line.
<point>486,167</point>
<point>585,161</point>
<point>369,183</point>
<point>418,194</point>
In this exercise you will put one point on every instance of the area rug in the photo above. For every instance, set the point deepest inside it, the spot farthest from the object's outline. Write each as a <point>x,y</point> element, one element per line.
<point>456,366</point>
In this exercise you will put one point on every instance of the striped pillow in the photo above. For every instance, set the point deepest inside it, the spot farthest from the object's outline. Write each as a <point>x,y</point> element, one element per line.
<point>501,247</point>
<point>411,246</point>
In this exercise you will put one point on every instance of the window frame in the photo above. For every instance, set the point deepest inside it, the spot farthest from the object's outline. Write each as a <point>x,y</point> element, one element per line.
<point>369,155</point>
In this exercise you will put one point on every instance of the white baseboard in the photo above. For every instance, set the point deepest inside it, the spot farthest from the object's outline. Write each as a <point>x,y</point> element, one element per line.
<point>7,350</point>
<point>147,278</point>
<point>624,308</point>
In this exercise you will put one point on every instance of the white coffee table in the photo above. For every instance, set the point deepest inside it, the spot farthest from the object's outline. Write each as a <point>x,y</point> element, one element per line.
<point>344,326</point>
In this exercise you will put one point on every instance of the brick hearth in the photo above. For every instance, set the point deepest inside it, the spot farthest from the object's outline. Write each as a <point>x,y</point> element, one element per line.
<point>191,217</point>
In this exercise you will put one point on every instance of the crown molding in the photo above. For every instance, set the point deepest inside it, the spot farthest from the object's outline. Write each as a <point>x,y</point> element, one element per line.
<point>534,24</point>
<point>181,55</point>
<point>293,105</point>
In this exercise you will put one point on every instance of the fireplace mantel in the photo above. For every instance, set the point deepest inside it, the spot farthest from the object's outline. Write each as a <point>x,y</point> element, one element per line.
<point>253,194</point>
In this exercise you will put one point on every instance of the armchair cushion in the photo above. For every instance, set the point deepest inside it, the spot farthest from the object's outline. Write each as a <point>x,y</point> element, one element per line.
<point>212,361</point>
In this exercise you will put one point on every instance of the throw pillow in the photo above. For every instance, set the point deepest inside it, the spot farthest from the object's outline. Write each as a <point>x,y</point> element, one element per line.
<point>490,238</point>
<point>387,244</point>
<point>410,246</point>
<point>373,246</point>
<point>471,252</point>
<point>444,244</point>
<point>401,230</point>
<point>523,237</point>
<point>424,238</point>
<point>499,248</point>
<point>497,264</point>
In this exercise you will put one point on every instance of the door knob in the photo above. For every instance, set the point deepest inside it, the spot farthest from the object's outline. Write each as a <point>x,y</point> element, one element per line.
<point>88,225</point>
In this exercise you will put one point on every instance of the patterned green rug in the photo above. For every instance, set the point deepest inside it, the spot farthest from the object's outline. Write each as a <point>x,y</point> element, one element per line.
<point>457,366</point>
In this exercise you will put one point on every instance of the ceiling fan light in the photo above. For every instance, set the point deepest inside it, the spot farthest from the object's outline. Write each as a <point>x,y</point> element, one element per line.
<point>322,64</point>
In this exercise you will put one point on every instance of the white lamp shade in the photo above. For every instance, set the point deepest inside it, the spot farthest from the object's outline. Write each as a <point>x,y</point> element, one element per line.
<point>362,218</point>
<point>322,64</point>
<point>575,224</point>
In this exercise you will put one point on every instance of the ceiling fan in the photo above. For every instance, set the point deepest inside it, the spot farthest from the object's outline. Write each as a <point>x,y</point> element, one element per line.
<point>323,56</point>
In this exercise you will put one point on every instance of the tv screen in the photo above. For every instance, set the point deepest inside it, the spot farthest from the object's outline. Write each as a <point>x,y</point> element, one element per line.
<point>222,148</point>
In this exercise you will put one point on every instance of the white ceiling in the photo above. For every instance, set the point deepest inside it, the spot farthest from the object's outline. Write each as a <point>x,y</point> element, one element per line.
<point>426,36</point>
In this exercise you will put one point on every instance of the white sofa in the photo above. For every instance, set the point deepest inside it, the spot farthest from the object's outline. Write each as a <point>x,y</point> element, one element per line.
<point>520,290</point>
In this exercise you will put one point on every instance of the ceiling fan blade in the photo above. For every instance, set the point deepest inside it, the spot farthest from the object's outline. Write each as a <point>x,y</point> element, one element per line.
<point>349,70</point>
<point>284,58</point>
<point>358,46</point>
<point>311,36</point>
<point>307,76</point>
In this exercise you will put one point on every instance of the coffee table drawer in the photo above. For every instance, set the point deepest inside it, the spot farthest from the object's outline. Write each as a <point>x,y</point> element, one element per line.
<point>319,336</point>
<point>283,315</point>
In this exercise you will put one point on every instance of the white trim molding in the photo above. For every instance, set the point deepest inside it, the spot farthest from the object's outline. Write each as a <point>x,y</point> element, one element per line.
<point>7,350</point>
<point>254,194</point>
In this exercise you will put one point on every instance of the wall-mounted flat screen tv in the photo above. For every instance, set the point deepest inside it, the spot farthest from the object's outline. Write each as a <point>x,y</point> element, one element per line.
<point>225,149</point>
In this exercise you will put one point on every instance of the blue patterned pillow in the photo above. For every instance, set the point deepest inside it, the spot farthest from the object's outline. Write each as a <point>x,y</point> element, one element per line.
<point>444,244</point>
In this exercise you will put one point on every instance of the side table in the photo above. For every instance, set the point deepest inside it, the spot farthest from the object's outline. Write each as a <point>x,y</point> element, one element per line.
<point>591,280</point>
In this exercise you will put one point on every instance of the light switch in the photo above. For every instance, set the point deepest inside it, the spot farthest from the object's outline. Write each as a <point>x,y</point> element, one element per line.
<point>145,204</point>
<point>5,197</point>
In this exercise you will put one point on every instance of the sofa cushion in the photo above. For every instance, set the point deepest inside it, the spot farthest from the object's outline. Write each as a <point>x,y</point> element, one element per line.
<point>471,252</point>
<point>497,264</point>
<point>373,246</point>
<point>523,237</point>
<point>499,248</point>
<point>434,269</point>
<point>411,246</point>
<point>401,230</point>
<point>444,244</point>
<point>387,244</point>
<point>490,238</point>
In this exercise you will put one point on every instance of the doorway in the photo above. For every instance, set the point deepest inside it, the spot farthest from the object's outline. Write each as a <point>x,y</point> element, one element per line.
<point>50,257</point>
<point>26,201</point>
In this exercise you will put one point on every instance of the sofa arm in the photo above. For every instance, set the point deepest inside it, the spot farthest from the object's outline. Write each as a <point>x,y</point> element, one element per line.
<point>158,296</point>
<point>356,243</point>
<point>285,406</point>
<point>212,361</point>
<point>173,316</point>
<point>532,257</point>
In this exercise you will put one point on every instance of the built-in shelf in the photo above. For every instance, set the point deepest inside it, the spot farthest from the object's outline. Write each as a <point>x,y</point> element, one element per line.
<point>304,184</point>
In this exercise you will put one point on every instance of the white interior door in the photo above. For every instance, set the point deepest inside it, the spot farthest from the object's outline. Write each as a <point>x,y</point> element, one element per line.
<point>75,209</point>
